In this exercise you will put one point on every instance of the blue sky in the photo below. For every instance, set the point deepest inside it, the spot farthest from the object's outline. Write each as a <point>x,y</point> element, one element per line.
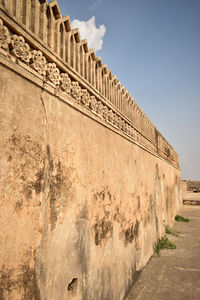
<point>153,46</point>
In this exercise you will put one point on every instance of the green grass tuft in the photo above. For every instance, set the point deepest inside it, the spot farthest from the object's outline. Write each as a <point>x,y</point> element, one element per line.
<point>164,243</point>
<point>180,218</point>
<point>170,231</point>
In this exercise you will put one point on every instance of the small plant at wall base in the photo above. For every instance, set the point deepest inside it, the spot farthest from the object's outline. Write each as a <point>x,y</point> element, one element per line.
<point>164,243</point>
<point>170,231</point>
<point>180,218</point>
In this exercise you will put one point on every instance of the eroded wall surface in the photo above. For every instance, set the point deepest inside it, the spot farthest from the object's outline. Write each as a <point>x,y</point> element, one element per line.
<point>87,183</point>
<point>78,201</point>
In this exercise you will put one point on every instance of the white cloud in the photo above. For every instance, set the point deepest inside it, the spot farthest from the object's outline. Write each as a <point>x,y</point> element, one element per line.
<point>89,31</point>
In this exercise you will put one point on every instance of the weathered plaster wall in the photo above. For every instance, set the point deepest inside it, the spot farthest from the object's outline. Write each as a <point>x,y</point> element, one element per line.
<point>80,205</point>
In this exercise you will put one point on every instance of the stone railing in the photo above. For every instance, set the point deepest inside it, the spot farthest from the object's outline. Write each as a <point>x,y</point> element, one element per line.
<point>34,32</point>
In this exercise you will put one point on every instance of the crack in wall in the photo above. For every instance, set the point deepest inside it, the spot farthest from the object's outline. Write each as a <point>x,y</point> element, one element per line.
<point>40,262</point>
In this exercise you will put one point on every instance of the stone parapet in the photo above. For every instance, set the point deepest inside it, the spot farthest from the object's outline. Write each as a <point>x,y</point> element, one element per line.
<point>35,33</point>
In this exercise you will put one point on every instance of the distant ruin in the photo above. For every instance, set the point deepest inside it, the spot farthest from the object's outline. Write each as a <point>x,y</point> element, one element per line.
<point>87,181</point>
<point>192,185</point>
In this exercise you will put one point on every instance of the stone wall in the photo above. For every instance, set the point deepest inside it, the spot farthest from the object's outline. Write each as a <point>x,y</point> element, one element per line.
<point>86,186</point>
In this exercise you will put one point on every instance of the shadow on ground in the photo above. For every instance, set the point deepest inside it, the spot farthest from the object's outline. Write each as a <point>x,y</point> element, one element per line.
<point>175,275</point>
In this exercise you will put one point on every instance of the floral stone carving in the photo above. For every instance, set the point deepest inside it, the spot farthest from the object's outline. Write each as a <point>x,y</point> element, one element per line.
<point>99,108</point>
<point>105,112</point>
<point>4,36</point>
<point>116,120</point>
<point>38,62</point>
<point>93,103</point>
<point>65,83</point>
<point>111,116</point>
<point>53,73</point>
<point>20,49</point>
<point>120,123</point>
<point>76,91</point>
<point>85,97</point>
<point>123,126</point>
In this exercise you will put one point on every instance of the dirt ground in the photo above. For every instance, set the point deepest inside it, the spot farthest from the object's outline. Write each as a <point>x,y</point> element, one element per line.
<point>175,275</point>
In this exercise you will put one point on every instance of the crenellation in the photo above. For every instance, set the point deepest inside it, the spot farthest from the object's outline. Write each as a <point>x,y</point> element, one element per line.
<point>117,89</point>
<point>83,49</point>
<point>77,56</point>
<point>44,19</point>
<point>115,93</point>
<point>18,9</point>
<point>86,63</point>
<point>104,83</point>
<point>55,9</point>
<point>91,65</point>
<point>129,107</point>
<point>13,7</point>
<point>26,13</point>
<point>100,69</point>
<point>74,39</point>
<point>108,86</point>
<point>42,22</point>
<point>119,92</point>
<point>93,55</point>
<point>126,104</point>
<point>50,23</point>
<point>35,17</point>
<point>122,100</point>
<point>60,47</point>
<point>57,37</point>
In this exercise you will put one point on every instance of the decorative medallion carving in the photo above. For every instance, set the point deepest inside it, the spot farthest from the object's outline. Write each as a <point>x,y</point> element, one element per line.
<point>123,125</point>
<point>65,83</point>
<point>120,122</point>
<point>127,128</point>
<point>20,49</point>
<point>105,113</point>
<point>93,103</point>
<point>110,116</point>
<point>85,97</point>
<point>4,36</point>
<point>38,62</point>
<point>76,91</point>
<point>99,108</point>
<point>116,120</point>
<point>53,73</point>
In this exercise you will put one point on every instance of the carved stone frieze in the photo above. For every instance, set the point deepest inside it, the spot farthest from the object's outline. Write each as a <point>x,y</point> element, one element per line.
<point>120,123</point>
<point>116,120</point>
<point>105,112</point>
<point>20,49</point>
<point>4,36</point>
<point>123,125</point>
<point>38,62</point>
<point>85,97</point>
<point>99,108</point>
<point>53,73</point>
<point>65,83</point>
<point>93,103</point>
<point>76,91</point>
<point>36,59</point>
<point>128,128</point>
<point>110,116</point>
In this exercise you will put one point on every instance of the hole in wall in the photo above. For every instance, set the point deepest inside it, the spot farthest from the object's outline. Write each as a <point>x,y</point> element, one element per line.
<point>72,286</point>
